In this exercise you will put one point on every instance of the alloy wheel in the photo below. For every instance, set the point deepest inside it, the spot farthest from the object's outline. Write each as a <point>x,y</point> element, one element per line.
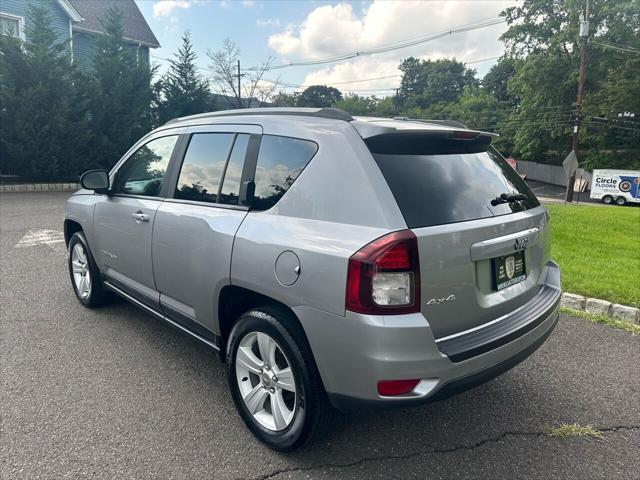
<point>266,381</point>
<point>80,268</point>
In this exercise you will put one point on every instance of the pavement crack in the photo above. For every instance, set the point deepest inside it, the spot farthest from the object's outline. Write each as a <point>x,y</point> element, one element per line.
<point>436,450</point>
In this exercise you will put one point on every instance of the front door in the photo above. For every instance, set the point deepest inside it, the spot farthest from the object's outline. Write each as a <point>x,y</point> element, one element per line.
<point>123,221</point>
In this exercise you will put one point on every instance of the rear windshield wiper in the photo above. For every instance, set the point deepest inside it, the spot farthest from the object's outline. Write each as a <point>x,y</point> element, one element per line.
<point>508,198</point>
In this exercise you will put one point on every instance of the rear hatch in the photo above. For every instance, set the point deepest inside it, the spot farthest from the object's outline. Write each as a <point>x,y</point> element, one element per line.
<point>481,231</point>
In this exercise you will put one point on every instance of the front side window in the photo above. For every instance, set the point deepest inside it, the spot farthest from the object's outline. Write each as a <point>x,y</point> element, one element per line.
<point>203,167</point>
<point>10,26</point>
<point>144,171</point>
<point>280,161</point>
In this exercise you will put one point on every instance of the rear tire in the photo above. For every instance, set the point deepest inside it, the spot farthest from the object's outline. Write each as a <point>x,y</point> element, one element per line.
<point>287,411</point>
<point>620,201</point>
<point>85,276</point>
<point>607,199</point>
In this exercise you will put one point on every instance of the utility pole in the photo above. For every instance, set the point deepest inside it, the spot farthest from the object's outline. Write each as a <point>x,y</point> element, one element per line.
<point>239,91</point>
<point>584,38</point>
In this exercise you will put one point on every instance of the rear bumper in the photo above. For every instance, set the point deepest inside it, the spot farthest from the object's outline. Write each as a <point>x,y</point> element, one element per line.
<point>354,352</point>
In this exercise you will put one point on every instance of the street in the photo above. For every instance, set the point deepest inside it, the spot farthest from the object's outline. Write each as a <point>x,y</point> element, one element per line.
<point>113,393</point>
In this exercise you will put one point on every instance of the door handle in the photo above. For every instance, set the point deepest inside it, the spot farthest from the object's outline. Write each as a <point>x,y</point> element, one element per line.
<point>140,217</point>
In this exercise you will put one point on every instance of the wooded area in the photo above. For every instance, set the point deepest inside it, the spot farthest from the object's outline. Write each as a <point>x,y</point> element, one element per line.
<point>58,120</point>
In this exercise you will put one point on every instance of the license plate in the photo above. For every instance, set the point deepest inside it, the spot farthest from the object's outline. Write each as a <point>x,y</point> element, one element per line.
<point>508,270</point>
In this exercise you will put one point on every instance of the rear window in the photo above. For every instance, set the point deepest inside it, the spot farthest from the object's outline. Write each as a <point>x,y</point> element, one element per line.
<point>440,188</point>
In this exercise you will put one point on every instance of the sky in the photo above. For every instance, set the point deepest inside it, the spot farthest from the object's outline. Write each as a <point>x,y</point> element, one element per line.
<point>298,31</point>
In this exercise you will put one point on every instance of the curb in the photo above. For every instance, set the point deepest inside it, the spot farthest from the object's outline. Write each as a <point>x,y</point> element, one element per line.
<point>40,187</point>
<point>601,307</point>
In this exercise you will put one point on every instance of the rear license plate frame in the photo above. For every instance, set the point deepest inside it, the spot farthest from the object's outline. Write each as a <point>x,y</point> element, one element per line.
<point>501,270</point>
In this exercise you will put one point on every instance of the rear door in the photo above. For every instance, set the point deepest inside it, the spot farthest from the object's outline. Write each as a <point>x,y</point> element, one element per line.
<point>123,220</point>
<point>195,227</point>
<point>481,254</point>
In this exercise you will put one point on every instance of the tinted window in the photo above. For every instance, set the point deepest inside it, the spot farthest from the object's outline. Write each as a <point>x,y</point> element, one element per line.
<point>280,161</point>
<point>447,188</point>
<point>144,171</point>
<point>232,176</point>
<point>203,167</point>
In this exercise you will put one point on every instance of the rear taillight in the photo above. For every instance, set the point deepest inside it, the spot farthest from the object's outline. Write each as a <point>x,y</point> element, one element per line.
<point>383,277</point>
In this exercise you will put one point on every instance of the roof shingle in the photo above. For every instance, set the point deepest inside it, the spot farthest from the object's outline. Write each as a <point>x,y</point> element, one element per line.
<point>134,24</point>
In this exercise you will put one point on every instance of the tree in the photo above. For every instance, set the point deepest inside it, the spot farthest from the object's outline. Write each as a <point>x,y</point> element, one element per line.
<point>496,80</point>
<point>122,94</point>
<point>426,83</point>
<point>318,96</point>
<point>43,113</point>
<point>617,139</point>
<point>544,35</point>
<point>182,90</point>
<point>246,93</point>
<point>284,99</point>
<point>357,105</point>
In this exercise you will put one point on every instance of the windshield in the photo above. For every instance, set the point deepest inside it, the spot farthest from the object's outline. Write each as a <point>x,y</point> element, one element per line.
<point>437,189</point>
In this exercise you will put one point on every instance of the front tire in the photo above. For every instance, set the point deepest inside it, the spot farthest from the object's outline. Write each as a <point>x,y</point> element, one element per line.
<point>274,381</point>
<point>607,199</point>
<point>84,273</point>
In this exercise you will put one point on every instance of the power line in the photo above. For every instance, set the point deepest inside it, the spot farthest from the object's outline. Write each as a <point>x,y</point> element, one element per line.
<point>388,47</point>
<point>625,49</point>
<point>636,130</point>
<point>389,76</point>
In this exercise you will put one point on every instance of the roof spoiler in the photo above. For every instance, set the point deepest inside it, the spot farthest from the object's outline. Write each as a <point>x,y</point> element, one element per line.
<point>452,130</point>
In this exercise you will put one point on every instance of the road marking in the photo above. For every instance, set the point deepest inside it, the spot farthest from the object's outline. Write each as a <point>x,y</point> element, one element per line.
<point>40,237</point>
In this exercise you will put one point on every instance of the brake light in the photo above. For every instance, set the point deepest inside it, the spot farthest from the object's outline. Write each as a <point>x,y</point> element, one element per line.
<point>383,277</point>
<point>464,135</point>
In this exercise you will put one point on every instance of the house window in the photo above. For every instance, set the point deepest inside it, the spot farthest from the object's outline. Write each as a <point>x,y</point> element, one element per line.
<point>11,25</point>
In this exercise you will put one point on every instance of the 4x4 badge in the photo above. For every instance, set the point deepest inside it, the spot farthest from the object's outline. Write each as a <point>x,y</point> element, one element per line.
<point>437,301</point>
<point>521,243</point>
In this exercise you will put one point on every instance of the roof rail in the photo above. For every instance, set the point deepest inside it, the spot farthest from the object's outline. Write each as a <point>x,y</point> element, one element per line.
<point>332,113</point>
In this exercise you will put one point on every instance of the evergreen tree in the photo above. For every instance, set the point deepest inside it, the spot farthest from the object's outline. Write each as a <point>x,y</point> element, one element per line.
<point>44,118</point>
<point>122,94</point>
<point>182,90</point>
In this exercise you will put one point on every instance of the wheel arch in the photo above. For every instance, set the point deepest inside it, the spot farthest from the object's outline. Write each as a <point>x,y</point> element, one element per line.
<point>71,227</point>
<point>234,301</point>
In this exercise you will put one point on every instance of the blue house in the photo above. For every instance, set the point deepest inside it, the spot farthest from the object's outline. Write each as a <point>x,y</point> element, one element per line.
<point>79,22</point>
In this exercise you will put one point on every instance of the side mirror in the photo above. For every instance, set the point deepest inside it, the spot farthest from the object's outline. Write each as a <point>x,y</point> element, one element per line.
<point>96,180</point>
<point>247,191</point>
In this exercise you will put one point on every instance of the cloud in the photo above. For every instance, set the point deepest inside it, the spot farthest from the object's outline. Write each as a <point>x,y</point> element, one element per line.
<point>164,8</point>
<point>338,29</point>
<point>269,22</point>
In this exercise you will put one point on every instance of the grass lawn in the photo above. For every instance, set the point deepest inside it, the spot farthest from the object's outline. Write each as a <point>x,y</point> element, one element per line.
<point>598,249</point>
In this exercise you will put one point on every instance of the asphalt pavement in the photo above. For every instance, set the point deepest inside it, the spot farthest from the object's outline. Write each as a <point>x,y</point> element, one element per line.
<point>112,393</point>
<point>556,193</point>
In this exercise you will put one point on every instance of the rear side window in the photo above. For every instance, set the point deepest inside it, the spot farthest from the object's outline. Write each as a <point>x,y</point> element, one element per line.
<point>280,161</point>
<point>441,188</point>
<point>203,167</point>
<point>233,173</point>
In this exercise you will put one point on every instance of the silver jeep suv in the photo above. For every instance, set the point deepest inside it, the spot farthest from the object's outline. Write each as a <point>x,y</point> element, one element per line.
<point>333,261</point>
